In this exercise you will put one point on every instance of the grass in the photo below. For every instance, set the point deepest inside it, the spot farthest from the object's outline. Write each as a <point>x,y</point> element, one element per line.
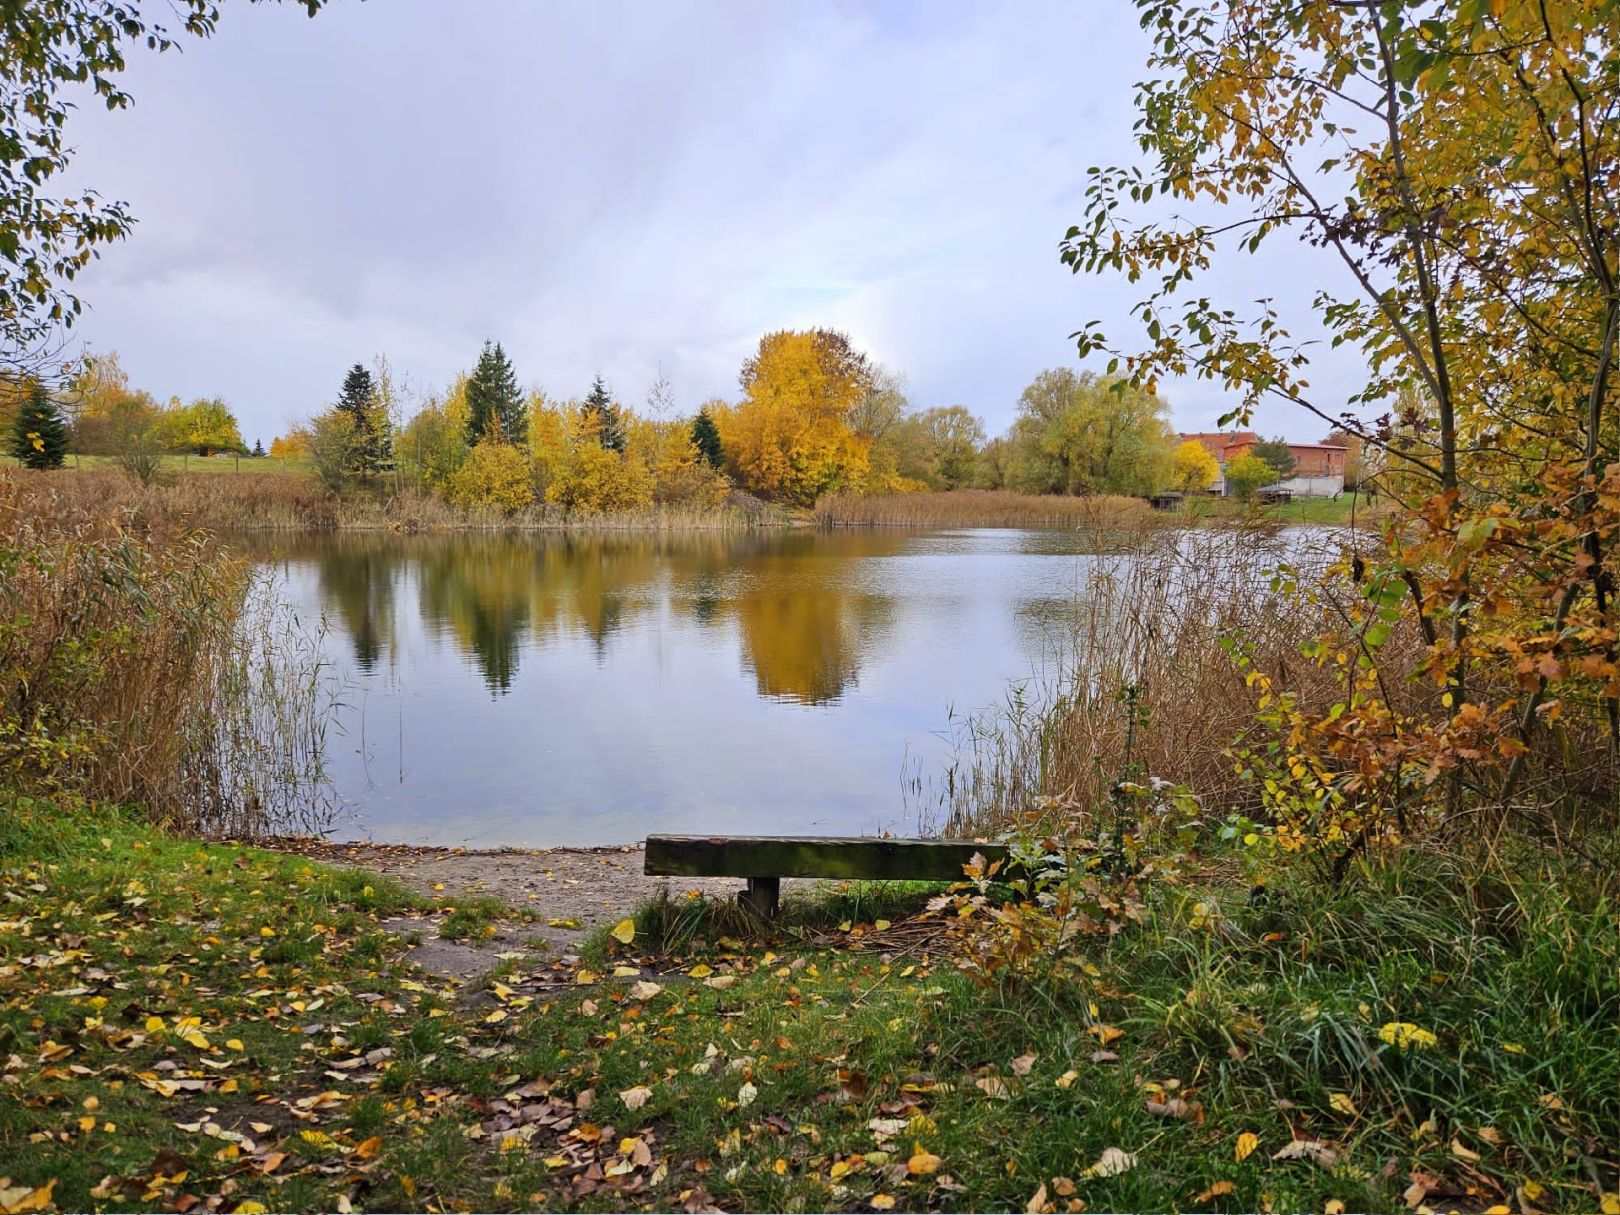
<point>824,1063</point>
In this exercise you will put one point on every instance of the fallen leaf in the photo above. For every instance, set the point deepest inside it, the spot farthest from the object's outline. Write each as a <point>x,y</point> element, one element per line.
<point>923,1163</point>
<point>1216,1190</point>
<point>17,1200</point>
<point>1309,1149</point>
<point>881,1202</point>
<point>1111,1163</point>
<point>1038,1204</point>
<point>624,932</point>
<point>635,1098</point>
<point>1342,1103</point>
<point>644,990</point>
<point>993,1086</point>
<point>746,1095</point>
<point>1021,1065</point>
<point>1246,1143</point>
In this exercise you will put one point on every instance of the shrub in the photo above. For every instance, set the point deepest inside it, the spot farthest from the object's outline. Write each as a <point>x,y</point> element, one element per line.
<point>495,476</point>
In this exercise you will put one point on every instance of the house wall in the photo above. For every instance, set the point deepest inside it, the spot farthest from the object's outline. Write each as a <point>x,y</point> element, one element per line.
<point>1313,487</point>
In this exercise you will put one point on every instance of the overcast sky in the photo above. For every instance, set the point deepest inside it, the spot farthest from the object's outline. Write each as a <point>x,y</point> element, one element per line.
<point>623,189</point>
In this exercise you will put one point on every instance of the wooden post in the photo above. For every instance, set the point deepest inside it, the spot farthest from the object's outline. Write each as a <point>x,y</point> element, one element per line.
<point>763,896</point>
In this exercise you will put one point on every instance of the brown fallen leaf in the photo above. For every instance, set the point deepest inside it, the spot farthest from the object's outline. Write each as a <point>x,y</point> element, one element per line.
<point>1216,1190</point>
<point>994,1087</point>
<point>1021,1066</point>
<point>1314,1150</point>
<point>635,1098</point>
<point>1038,1203</point>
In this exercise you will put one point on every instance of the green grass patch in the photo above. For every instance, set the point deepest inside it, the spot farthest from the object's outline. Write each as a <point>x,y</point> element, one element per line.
<point>210,1020</point>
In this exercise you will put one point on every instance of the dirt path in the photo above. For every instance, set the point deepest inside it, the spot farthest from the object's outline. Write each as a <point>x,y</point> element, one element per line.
<point>569,891</point>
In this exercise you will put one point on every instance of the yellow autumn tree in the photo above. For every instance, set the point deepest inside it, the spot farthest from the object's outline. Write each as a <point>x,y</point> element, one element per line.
<point>1193,467</point>
<point>494,476</point>
<point>790,438</point>
<point>578,472</point>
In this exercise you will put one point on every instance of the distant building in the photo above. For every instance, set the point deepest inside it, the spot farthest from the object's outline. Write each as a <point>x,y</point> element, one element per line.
<point>1318,467</point>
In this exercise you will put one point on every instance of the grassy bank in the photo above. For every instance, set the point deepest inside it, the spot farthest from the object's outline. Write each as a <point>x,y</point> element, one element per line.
<point>212,1027</point>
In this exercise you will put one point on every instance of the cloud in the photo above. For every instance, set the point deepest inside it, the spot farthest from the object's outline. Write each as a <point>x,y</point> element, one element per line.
<point>610,188</point>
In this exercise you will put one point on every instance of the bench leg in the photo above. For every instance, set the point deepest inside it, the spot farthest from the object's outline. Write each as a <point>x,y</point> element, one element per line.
<point>763,896</point>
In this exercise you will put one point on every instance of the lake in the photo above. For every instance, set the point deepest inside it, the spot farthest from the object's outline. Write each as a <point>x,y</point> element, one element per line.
<point>545,689</point>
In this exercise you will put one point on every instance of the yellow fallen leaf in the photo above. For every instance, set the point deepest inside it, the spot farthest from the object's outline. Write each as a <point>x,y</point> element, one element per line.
<point>881,1202</point>
<point>1342,1103</point>
<point>1068,1078</point>
<point>367,1148</point>
<point>251,1207</point>
<point>1246,1143</point>
<point>624,932</point>
<point>880,925</point>
<point>266,931</point>
<point>154,1025</point>
<point>701,971</point>
<point>234,1044</point>
<point>923,1163</point>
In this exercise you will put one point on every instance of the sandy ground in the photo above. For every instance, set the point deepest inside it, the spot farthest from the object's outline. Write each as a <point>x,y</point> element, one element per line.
<point>569,891</point>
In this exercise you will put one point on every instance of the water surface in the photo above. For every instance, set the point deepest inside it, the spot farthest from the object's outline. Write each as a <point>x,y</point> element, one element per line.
<point>566,689</point>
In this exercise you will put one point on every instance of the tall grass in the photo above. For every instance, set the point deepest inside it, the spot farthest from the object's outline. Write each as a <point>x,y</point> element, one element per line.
<point>980,508</point>
<point>1147,683</point>
<point>267,501</point>
<point>145,666</point>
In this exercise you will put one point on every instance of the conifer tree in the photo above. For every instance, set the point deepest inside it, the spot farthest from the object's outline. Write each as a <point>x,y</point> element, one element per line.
<point>39,434</point>
<point>372,445</point>
<point>494,404</point>
<point>609,421</point>
<point>706,438</point>
<point>258,449</point>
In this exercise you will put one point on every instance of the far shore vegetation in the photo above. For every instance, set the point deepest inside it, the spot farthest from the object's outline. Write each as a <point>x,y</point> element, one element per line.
<point>820,433</point>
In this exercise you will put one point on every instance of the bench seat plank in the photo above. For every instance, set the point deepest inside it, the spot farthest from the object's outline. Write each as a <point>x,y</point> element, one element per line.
<point>754,856</point>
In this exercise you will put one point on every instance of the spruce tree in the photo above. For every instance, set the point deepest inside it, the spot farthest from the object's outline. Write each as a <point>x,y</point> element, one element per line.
<point>494,404</point>
<point>258,449</point>
<point>706,438</point>
<point>358,400</point>
<point>609,421</point>
<point>39,437</point>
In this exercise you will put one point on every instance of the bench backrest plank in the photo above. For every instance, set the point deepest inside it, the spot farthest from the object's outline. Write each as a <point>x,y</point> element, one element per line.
<point>813,856</point>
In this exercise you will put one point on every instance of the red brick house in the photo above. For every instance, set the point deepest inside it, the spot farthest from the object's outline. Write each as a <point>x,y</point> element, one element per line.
<point>1318,467</point>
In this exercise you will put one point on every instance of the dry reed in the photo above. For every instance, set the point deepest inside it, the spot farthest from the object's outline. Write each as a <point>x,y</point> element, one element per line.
<point>1152,617</point>
<point>147,667</point>
<point>278,502</point>
<point>981,508</point>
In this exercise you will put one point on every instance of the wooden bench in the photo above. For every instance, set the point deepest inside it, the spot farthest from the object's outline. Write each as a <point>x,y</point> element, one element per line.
<point>766,859</point>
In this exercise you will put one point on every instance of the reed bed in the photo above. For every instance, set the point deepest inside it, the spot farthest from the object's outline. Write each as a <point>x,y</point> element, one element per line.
<point>1147,683</point>
<point>148,667</point>
<point>255,501</point>
<point>981,508</point>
